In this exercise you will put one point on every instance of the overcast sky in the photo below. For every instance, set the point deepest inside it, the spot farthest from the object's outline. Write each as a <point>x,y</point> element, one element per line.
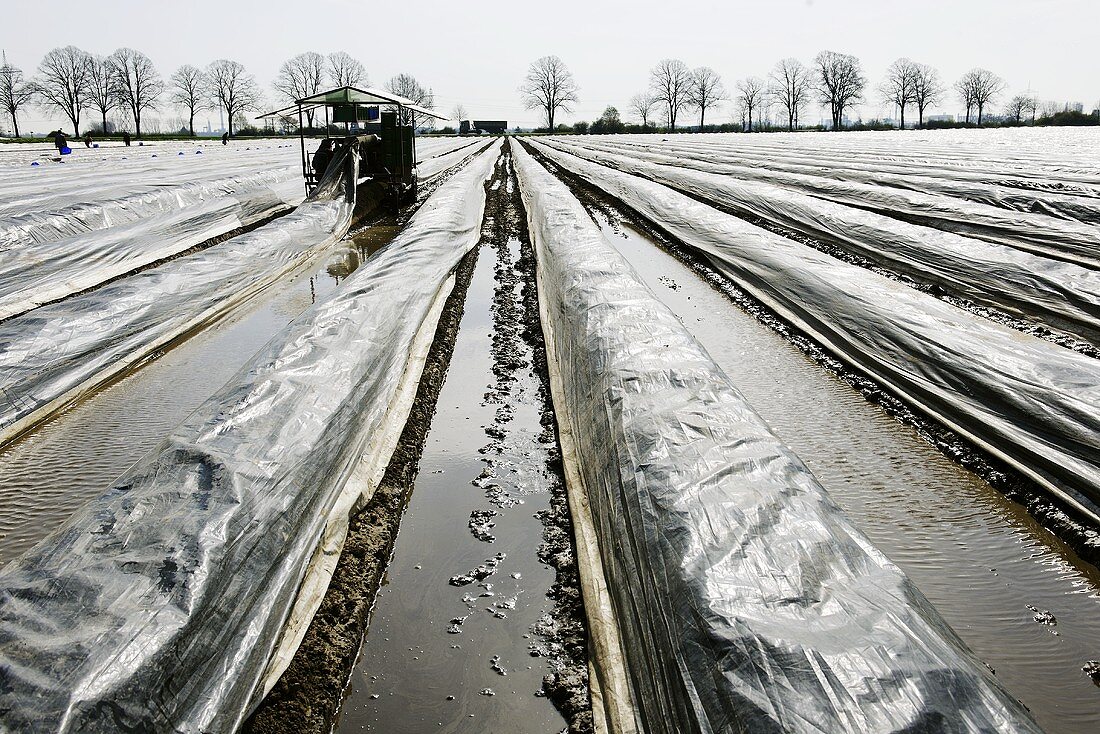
<point>476,53</point>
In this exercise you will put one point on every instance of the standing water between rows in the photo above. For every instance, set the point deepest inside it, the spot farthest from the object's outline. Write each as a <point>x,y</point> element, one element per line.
<point>462,632</point>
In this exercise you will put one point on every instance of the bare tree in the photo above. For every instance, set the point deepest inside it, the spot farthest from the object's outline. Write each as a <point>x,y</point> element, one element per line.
<point>977,88</point>
<point>840,83</point>
<point>301,77</point>
<point>407,86</point>
<point>791,84</point>
<point>138,83</point>
<point>965,89</point>
<point>899,86</point>
<point>927,89</point>
<point>232,88</point>
<point>550,87</point>
<point>642,105</point>
<point>15,93</point>
<point>103,86</point>
<point>670,82</point>
<point>751,93</point>
<point>459,113</point>
<point>63,82</point>
<point>345,71</point>
<point>189,91</point>
<point>1021,105</point>
<point>705,92</point>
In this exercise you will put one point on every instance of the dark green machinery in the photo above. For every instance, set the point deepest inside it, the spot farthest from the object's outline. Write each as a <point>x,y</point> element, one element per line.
<point>372,120</point>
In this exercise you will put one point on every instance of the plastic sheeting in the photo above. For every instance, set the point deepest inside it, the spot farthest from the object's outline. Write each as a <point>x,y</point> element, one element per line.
<point>43,272</point>
<point>1061,239</point>
<point>1037,195</point>
<point>431,165</point>
<point>1063,155</point>
<point>746,601</point>
<point>104,198</point>
<point>1061,295</point>
<point>1033,404</point>
<point>52,355</point>
<point>159,605</point>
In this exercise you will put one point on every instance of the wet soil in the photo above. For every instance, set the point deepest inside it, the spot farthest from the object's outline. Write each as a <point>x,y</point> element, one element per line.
<point>1024,601</point>
<point>465,622</point>
<point>307,696</point>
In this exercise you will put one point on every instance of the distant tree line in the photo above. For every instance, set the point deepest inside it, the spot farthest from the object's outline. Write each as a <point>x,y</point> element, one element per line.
<point>126,85</point>
<point>834,80</point>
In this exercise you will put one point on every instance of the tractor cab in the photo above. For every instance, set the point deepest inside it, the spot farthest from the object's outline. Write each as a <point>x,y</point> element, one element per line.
<point>379,121</point>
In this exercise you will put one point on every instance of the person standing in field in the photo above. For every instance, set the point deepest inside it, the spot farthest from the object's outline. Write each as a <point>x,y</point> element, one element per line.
<point>87,140</point>
<point>126,138</point>
<point>225,138</point>
<point>58,139</point>
<point>322,158</point>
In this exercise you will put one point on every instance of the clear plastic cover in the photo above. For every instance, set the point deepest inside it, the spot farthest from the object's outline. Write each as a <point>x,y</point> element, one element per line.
<point>746,600</point>
<point>160,605</point>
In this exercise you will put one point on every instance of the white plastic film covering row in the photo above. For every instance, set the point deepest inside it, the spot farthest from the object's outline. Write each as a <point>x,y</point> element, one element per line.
<point>742,597</point>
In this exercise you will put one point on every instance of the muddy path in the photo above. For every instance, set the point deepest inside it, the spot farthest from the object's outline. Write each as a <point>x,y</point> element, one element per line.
<point>455,605</point>
<point>1023,600</point>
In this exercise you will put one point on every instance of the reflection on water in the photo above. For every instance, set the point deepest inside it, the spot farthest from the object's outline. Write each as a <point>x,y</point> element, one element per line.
<point>70,460</point>
<point>989,568</point>
<point>447,651</point>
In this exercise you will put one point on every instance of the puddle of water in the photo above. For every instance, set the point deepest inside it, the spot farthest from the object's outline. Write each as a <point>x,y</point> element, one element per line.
<point>989,568</point>
<point>70,460</point>
<point>451,636</point>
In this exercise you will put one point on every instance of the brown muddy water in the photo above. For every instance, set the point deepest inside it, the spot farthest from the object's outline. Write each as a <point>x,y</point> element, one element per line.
<point>990,569</point>
<point>456,639</point>
<point>71,459</point>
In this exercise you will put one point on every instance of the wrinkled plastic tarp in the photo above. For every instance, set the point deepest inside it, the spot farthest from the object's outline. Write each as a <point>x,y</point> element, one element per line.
<point>54,354</point>
<point>437,159</point>
<point>746,600</point>
<point>102,199</point>
<point>1032,403</point>
<point>157,606</point>
<point>1061,295</point>
<point>48,271</point>
<point>1058,238</point>
<point>999,189</point>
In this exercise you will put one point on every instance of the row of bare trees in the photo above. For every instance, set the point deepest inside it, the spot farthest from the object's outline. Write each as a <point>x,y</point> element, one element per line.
<point>835,80</point>
<point>73,82</point>
<point>311,73</point>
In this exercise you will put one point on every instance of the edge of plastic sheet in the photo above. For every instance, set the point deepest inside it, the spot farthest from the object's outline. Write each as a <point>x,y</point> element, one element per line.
<point>160,605</point>
<point>358,490</point>
<point>745,598</point>
<point>612,702</point>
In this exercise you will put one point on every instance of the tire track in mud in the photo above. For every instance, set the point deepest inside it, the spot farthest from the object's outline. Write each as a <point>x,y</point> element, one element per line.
<point>1060,520</point>
<point>516,319</point>
<point>309,695</point>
